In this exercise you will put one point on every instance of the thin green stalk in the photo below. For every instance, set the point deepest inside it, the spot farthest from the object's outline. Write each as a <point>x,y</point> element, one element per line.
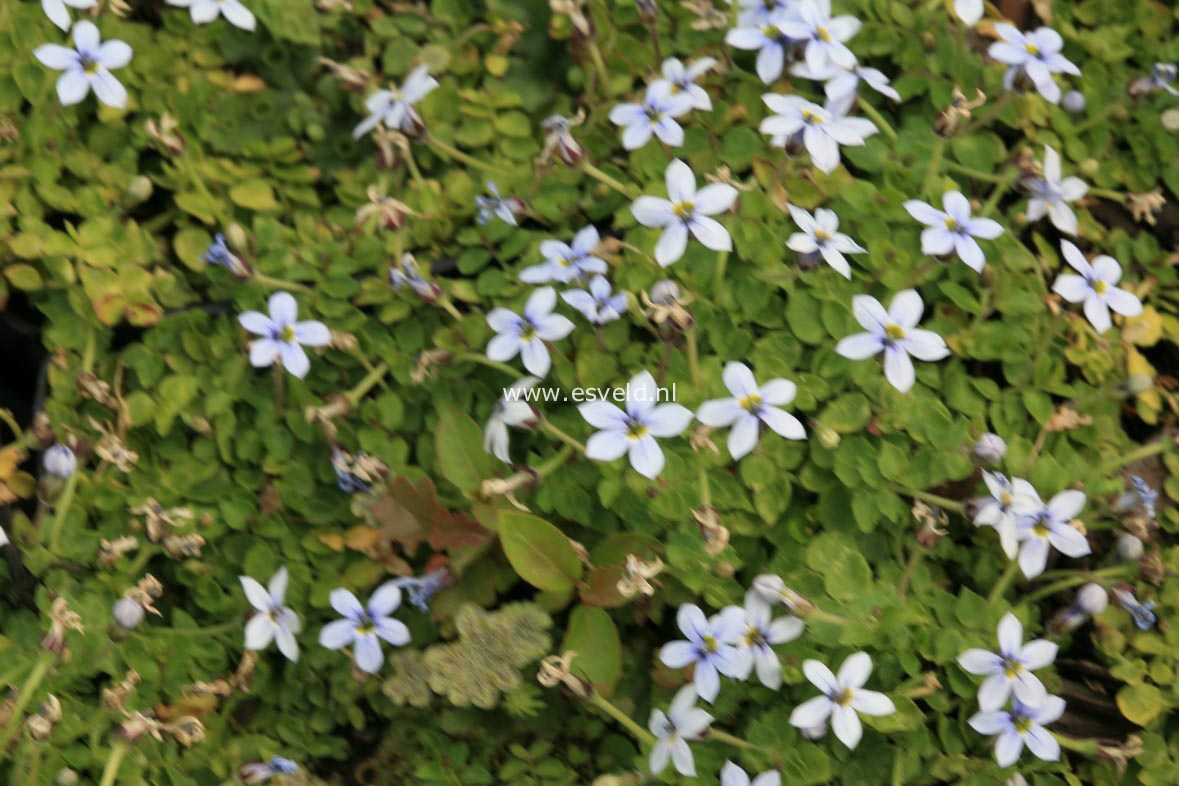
<point>60,508</point>
<point>24,697</point>
<point>551,429</point>
<point>1146,451</point>
<point>113,763</point>
<point>998,191</point>
<point>1078,579</point>
<point>370,380</point>
<point>718,275</point>
<point>474,357</point>
<point>597,174</point>
<point>641,734</point>
<point>826,616</point>
<point>942,502</point>
<point>414,172</point>
<point>935,164</point>
<point>737,742</point>
<point>877,118</point>
<point>1107,193</point>
<point>1003,583</point>
<point>599,66</point>
<point>280,386</point>
<point>910,566</point>
<point>705,487</point>
<point>974,174</point>
<point>452,152</point>
<point>448,306</point>
<point>270,282</point>
<point>1089,747</point>
<point>559,459</point>
<point>693,354</point>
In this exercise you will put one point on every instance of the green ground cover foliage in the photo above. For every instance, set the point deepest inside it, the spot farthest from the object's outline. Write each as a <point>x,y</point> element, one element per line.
<point>218,469</point>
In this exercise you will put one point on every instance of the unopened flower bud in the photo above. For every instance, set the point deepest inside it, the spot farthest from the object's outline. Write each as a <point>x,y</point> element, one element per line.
<point>1073,102</point>
<point>773,590</point>
<point>139,189</point>
<point>66,777</point>
<point>236,236</point>
<point>1016,780</point>
<point>128,613</point>
<point>1092,599</point>
<point>1170,120</point>
<point>50,709</point>
<point>1090,167</point>
<point>827,436</point>
<point>646,9</point>
<point>59,461</point>
<point>1130,548</point>
<point>990,448</point>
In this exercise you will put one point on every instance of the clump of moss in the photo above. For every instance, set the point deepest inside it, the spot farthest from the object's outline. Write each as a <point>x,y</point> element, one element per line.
<point>485,662</point>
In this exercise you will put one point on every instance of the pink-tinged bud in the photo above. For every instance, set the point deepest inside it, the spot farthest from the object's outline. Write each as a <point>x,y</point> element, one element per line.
<point>128,613</point>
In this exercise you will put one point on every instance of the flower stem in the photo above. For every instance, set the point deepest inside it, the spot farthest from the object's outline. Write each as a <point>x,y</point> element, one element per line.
<point>1003,583</point>
<point>277,283</point>
<point>558,460</point>
<point>1089,747</point>
<point>1146,451</point>
<point>448,306</point>
<point>597,174</point>
<point>603,704</point>
<point>599,62</point>
<point>551,429</point>
<point>910,566</point>
<point>27,691</point>
<point>1077,579</point>
<point>974,174</point>
<point>693,354</point>
<point>998,191</point>
<point>474,357</point>
<point>212,630</point>
<point>878,119</point>
<point>414,172</point>
<point>60,509</point>
<point>737,742</point>
<point>718,275</point>
<point>826,616</point>
<point>933,499</point>
<point>280,387</point>
<point>452,152</point>
<point>113,763</point>
<point>370,380</point>
<point>1107,193</point>
<point>935,163</point>
<point>705,488</point>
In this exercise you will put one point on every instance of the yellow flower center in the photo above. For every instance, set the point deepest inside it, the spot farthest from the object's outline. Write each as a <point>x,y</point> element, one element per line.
<point>1012,669</point>
<point>1006,498</point>
<point>710,644</point>
<point>823,35</point>
<point>288,334</point>
<point>951,224</point>
<point>635,430</point>
<point>843,698</point>
<point>750,403</point>
<point>1040,531</point>
<point>895,332</point>
<point>1023,725</point>
<point>810,117</point>
<point>1100,287</point>
<point>1032,49</point>
<point>682,209</point>
<point>528,333</point>
<point>822,235</point>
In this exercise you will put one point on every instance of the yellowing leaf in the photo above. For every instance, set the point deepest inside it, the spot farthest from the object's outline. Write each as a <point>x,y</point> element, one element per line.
<point>254,195</point>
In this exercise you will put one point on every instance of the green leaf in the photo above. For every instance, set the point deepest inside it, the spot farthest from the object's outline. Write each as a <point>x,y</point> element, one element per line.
<point>1141,703</point>
<point>254,195</point>
<point>458,442</point>
<point>594,637</point>
<point>539,552</point>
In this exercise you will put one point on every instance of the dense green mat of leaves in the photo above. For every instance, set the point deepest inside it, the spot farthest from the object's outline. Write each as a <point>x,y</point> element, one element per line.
<point>125,625</point>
